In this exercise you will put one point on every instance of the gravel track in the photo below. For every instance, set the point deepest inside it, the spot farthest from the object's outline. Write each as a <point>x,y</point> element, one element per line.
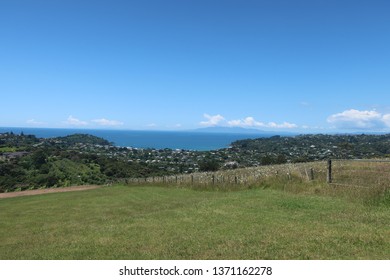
<point>44,191</point>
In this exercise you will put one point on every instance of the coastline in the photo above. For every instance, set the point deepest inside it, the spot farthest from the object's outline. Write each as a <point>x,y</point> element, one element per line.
<point>186,140</point>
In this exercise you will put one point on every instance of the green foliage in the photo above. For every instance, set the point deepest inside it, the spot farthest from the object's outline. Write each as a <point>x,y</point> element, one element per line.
<point>305,148</point>
<point>11,177</point>
<point>82,138</point>
<point>209,165</point>
<point>59,162</point>
<point>39,158</point>
<point>14,141</point>
<point>7,149</point>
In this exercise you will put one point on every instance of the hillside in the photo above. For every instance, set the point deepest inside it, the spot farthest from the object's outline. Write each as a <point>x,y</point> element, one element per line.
<point>28,162</point>
<point>313,147</point>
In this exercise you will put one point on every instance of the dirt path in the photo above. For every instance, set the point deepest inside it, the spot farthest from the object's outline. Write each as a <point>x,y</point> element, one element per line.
<point>44,191</point>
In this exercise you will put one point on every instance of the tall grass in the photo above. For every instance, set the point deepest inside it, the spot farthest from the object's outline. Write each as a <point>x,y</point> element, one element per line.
<point>236,178</point>
<point>360,181</point>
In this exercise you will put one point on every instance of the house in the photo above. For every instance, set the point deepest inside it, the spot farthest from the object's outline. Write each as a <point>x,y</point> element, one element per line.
<point>14,155</point>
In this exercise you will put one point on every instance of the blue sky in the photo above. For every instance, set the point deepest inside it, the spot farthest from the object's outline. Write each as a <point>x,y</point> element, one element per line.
<point>291,65</point>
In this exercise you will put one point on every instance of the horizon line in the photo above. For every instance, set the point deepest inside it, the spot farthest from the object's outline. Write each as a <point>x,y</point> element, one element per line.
<point>198,130</point>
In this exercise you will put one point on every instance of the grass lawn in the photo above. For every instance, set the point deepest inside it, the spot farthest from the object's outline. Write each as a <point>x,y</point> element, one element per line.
<point>7,149</point>
<point>147,222</point>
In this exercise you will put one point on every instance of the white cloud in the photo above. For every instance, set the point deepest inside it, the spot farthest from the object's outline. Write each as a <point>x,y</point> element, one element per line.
<point>251,122</point>
<point>105,122</point>
<point>34,122</point>
<point>247,122</point>
<point>356,119</point>
<point>212,120</point>
<point>282,125</point>
<point>386,119</point>
<point>75,122</point>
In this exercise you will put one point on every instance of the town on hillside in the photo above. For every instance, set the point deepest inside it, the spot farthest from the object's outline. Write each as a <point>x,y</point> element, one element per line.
<point>28,162</point>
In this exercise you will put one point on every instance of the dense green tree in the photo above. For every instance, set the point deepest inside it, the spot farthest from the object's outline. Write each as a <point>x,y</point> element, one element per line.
<point>209,165</point>
<point>39,158</point>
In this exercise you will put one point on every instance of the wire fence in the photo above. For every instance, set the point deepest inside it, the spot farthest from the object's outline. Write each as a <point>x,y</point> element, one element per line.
<point>361,173</point>
<point>240,177</point>
<point>349,173</point>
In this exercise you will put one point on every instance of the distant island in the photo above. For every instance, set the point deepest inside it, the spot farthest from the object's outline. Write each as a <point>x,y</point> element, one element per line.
<point>28,162</point>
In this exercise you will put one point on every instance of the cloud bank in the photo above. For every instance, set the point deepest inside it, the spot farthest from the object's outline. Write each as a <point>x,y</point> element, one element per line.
<point>34,122</point>
<point>248,122</point>
<point>355,119</point>
<point>72,121</point>
<point>212,120</point>
<point>75,122</point>
<point>251,122</point>
<point>105,122</point>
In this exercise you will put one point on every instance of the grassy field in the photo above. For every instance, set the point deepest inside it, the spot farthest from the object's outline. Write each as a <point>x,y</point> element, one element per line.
<point>149,222</point>
<point>7,149</point>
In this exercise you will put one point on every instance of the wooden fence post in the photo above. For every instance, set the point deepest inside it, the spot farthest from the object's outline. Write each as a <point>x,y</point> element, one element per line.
<point>311,174</point>
<point>213,179</point>
<point>329,177</point>
<point>307,175</point>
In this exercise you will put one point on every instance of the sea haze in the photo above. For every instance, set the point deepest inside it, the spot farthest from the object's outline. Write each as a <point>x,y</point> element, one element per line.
<point>188,140</point>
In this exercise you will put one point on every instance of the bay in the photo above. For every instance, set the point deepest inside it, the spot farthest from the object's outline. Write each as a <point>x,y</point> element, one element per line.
<point>187,140</point>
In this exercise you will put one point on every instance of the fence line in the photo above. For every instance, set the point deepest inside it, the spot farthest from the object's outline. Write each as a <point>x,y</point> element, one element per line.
<point>360,173</point>
<point>364,160</point>
<point>352,173</point>
<point>244,176</point>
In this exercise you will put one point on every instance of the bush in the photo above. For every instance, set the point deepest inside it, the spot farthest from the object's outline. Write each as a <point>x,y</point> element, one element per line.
<point>209,165</point>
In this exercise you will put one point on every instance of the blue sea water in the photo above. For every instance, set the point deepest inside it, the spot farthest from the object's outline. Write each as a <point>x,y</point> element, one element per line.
<point>200,141</point>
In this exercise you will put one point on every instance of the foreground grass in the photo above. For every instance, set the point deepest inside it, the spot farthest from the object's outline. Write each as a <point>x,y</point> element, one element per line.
<point>169,223</point>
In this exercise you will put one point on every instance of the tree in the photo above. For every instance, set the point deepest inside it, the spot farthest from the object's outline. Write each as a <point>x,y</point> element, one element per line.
<point>266,160</point>
<point>39,158</point>
<point>209,165</point>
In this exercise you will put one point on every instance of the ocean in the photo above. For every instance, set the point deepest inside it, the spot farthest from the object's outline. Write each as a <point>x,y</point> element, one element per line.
<point>199,141</point>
